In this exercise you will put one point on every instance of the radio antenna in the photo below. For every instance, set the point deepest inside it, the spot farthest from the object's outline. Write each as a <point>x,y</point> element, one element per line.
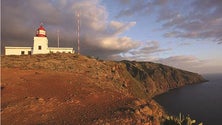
<point>58,38</point>
<point>78,32</point>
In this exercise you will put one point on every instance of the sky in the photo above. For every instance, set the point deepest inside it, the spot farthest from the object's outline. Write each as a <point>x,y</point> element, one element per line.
<point>185,34</point>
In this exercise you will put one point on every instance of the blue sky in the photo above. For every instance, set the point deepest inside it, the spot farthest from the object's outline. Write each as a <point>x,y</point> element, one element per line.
<point>184,34</point>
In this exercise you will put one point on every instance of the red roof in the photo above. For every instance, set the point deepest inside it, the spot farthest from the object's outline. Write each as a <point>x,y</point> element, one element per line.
<point>39,32</point>
<point>41,28</point>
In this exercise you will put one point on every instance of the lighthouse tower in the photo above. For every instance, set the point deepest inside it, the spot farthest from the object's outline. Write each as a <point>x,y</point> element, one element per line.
<point>40,45</point>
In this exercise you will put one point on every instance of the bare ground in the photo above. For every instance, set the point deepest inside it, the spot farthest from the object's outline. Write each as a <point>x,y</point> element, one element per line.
<point>46,97</point>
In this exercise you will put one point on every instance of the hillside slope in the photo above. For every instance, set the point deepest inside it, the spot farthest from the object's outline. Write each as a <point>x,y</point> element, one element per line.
<point>68,89</point>
<point>158,78</point>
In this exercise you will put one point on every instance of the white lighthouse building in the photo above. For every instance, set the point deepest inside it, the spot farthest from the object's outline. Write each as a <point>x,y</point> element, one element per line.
<point>40,46</point>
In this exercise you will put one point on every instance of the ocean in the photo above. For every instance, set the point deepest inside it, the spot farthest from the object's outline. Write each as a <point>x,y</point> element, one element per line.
<point>203,102</point>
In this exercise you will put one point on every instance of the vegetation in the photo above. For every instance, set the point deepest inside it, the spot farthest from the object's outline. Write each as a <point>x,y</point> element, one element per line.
<point>181,120</point>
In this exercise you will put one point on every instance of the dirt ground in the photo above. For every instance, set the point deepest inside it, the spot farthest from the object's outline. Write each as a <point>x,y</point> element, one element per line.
<point>47,97</point>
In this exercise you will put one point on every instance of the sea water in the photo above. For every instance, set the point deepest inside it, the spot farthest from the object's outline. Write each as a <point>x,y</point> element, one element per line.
<point>203,102</point>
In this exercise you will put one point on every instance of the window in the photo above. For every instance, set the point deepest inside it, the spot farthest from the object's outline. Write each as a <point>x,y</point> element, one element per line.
<point>29,52</point>
<point>40,47</point>
<point>22,52</point>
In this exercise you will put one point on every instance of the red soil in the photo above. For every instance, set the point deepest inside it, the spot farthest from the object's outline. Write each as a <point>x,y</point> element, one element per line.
<point>47,97</point>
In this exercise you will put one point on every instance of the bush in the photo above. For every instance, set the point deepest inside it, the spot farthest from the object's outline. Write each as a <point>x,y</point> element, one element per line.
<point>181,120</point>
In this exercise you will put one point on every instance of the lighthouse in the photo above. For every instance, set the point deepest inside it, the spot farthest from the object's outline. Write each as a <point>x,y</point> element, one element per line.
<point>40,45</point>
<point>41,32</point>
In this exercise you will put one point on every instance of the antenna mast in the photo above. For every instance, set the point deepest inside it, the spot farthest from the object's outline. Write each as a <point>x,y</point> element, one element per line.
<point>78,32</point>
<point>58,37</point>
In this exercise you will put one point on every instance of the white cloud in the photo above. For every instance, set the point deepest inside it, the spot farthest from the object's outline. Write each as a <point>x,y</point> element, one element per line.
<point>148,48</point>
<point>145,51</point>
<point>121,44</point>
<point>119,27</point>
<point>190,63</point>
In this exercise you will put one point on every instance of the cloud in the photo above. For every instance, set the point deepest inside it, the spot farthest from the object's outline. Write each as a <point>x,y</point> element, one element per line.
<point>125,2</point>
<point>190,63</point>
<point>118,27</point>
<point>120,44</point>
<point>201,20</point>
<point>143,52</point>
<point>172,34</point>
<point>148,48</point>
<point>98,36</point>
<point>134,7</point>
<point>191,19</point>
<point>220,42</point>
<point>185,44</point>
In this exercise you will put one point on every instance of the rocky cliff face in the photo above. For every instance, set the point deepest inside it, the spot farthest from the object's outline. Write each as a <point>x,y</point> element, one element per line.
<point>85,90</point>
<point>158,78</point>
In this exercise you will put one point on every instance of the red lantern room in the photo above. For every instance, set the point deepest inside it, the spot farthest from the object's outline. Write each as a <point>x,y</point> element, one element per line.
<point>41,32</point>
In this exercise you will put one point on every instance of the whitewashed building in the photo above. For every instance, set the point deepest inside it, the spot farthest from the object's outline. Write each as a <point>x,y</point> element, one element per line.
<point>40,46</point>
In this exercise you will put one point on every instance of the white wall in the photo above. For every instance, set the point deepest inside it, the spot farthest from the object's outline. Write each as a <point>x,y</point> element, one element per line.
<point>40,41</point>
<point>17,50</point>
<point>61,50</point>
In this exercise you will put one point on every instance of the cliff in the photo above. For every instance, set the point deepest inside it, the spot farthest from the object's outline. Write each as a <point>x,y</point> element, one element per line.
<point>159,78</point>
<point>85,90</point>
